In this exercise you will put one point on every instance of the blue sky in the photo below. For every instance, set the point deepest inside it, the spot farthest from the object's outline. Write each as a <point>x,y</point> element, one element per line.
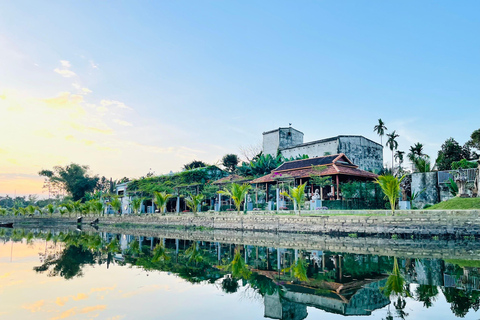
<point>126,86</point>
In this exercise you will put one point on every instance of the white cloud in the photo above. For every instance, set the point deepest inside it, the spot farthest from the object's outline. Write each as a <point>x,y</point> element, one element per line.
<point>65,63</point>
<point>113,103</point>
<point>93,64</point>
<point>122,122</point>
<point>86,90</point>
<point>65,73</point>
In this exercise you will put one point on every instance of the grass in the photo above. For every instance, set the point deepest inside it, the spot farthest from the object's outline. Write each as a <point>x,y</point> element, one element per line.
<point>457,204</point>
<point>464,263</point>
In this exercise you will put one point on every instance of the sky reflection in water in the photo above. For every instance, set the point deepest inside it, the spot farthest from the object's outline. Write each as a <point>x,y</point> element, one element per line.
<point>96,281</point>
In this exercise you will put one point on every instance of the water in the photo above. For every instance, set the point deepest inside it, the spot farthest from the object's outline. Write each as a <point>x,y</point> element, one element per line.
<point>52,274</point>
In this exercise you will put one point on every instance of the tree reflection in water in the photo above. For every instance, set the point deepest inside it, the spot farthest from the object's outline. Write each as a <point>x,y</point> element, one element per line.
<point>197,262</point>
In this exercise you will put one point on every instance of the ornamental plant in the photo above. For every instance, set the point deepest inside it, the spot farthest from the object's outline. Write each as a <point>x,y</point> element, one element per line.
<point>391,188</point>
<point>237,193</point>
<point>297,195</point>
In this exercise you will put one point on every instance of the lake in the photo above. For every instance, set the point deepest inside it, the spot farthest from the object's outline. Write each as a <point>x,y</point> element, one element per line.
<point>67,274</point>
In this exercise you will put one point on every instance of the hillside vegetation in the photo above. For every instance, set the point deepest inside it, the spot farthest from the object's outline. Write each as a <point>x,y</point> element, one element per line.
<point>457,203</point>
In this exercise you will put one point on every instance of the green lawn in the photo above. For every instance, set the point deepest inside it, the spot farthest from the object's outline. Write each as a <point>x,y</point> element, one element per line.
<point>457,203</point>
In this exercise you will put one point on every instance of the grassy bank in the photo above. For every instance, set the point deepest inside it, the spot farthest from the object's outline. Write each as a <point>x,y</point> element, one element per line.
<point>457,204</point>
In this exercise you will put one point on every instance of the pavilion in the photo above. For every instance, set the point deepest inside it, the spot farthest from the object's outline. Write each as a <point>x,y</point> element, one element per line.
<point>338,167</point>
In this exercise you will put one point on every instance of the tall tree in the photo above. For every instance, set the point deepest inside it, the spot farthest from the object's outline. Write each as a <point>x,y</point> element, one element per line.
<point>73,178</point>
<point>392,143</point>
<point>451,151</point>
<point>194,164</point>
<point>416,151</point>
<point>380,129</point>
<point>230,161</point>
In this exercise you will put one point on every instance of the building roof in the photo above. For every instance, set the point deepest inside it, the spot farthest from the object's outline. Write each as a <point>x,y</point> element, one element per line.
<point>327,140</point>
<point>337,164</point>
<point>282,128</point>
<point>233,178</point>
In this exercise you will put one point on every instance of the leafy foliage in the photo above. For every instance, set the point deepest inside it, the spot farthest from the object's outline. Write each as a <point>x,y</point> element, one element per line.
<point>194,164</point>
<point>160,199</point>
<point>193,201</point>
<point>451,152</point>
<point>73,179</point>
<point>237,193</point>
<point>452,187</point>
<point>230,162</point>
<point>297,195</point>
<point>380,129</point>
<point>391,188</point>
<point>464,164</point>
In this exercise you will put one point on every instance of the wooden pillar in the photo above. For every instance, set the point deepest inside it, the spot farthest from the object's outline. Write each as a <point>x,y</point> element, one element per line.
<point>338,188</point>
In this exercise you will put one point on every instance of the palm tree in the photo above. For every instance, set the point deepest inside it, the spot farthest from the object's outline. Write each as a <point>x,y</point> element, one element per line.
<point>161,199</point>
<point>396,285</point>
<point>137,204</point>
<point>237,193</point>
<point>297,195</point>
<point>380,129</point>
<point>237,267</point>
<point>399,158</point>
<point>116,204</point>
<point>391,188</point>
<point>392,144</point>
<point>193,201</point>
<point>50,209</point>
<point>97,207</point>
<point>416,151</point>
<point>194,253</point>
<point>160,253</point>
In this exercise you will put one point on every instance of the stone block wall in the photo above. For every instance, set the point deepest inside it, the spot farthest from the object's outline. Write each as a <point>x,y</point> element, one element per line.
<point>428,182</point>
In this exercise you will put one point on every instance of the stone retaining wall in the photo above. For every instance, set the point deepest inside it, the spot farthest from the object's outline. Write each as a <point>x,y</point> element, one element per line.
<point>418,223</point>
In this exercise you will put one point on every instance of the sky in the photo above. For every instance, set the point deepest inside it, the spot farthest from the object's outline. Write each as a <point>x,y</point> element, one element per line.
<point>129,87</point>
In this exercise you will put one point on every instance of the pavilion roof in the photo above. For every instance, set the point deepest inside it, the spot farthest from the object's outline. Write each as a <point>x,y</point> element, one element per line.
<point>334,165</point>
<point>233,178</point>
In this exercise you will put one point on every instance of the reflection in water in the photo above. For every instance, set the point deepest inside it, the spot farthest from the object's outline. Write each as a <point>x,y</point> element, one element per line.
<point>288,280</point>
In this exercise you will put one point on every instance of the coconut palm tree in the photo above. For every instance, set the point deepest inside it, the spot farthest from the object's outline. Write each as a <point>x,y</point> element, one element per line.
<point>237,193</point>
<point>297,195</point>
<point>137,204</point>
<point>416,151</point>
<point>160,253</point>
<point>391,188</point>
<point>30,209</point>
<point>161,199</point>
<point>392,144</point>
<point>237,267</point>
<point>193,201</point>
<point>116,204</point>
<point>380,129</point>
<point>98,207</point>
<point>194,254</point>
<point>50,209</point>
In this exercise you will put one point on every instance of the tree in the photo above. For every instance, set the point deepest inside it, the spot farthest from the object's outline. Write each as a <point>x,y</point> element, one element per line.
<point>194,164</point>
<point>73,179</point>
<point>474,141</point>
<point>450,152</point>
<point>391,188</point>
<point>193,201</point>
<point>297,195</point>
<point>416,151</point>
<point>230,162</point>
<point>161,199</point>
<point>116,204</point>
<point>320,181</point>
<point>392,144</point>
<point>137,204</point>
<point>237,193</point>
<point>380,129</point>
<point>422,164</point>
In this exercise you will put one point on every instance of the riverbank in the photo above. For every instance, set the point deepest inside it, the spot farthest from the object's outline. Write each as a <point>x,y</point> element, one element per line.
<point>405,224</point>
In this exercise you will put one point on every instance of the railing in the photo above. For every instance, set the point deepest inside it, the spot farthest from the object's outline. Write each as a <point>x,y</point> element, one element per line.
<point>444,176</point>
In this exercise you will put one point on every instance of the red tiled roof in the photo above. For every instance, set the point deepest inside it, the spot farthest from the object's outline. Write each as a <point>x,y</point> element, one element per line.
<point>332,169</point>
<point>231,178</point>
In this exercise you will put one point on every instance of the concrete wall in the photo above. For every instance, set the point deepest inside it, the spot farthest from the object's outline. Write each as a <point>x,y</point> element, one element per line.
<point>366,154</point>
<point>429,182</point>
<point>313,149</point>
<point>281,138</point>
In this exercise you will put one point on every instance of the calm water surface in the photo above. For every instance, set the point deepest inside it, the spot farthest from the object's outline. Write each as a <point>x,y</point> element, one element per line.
<point>48,274</point>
